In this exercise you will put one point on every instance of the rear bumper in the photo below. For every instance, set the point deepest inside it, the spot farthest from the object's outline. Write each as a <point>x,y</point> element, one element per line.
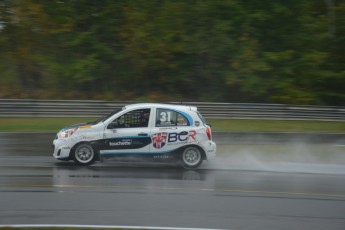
<point>210,149</point>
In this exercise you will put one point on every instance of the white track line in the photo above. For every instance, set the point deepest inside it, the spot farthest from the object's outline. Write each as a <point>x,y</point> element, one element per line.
<point>97,227</point>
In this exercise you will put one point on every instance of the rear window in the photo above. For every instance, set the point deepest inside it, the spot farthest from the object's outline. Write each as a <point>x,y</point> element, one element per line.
<point>166,117</point>
<point>202,118</point>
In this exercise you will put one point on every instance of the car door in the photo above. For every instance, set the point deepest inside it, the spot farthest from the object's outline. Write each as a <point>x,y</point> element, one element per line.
<point>128,134</point>
<point>172,129</point>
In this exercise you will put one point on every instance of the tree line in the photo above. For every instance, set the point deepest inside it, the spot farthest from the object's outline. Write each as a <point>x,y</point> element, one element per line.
<point>272,51</point>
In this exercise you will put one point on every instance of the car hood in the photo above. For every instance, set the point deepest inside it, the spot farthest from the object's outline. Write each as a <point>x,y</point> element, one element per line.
<point>78,125</point>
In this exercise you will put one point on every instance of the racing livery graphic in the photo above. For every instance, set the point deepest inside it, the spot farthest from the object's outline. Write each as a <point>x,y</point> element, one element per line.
<point>140,132</point>
<point>159,140</point>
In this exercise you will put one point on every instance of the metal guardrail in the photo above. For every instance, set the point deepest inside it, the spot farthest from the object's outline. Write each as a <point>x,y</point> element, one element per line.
<point>94,108</point>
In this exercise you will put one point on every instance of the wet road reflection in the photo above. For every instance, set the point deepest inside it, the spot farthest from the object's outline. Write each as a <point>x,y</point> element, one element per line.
<point>230,193</point>
<point>42,171</point>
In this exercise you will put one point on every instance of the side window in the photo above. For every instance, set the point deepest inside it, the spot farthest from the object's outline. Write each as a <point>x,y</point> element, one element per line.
<point>166,117</point>
<point>134,119</point>
<point>181,120</point>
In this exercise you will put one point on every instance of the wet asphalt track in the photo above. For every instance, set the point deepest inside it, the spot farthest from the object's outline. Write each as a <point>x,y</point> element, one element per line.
<point>36,189</point>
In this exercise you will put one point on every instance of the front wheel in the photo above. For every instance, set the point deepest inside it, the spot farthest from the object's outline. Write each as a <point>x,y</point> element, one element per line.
<point>191,157</point>
<point>84,154</point>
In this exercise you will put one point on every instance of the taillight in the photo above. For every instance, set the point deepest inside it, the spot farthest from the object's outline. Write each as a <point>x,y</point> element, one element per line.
<point>208,132</point>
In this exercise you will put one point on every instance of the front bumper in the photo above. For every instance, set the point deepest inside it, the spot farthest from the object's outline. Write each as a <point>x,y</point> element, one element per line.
<point>62,149</point>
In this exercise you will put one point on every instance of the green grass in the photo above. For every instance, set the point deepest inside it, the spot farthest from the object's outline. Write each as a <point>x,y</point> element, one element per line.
<point>55,124</point>
<point>38,124</point>
<point>277,126</point>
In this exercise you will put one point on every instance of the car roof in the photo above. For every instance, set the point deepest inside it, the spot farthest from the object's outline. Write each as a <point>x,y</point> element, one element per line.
<point>161,105</point>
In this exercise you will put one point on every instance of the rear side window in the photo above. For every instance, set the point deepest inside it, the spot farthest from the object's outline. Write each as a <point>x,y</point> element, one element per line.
<point>166,118</point>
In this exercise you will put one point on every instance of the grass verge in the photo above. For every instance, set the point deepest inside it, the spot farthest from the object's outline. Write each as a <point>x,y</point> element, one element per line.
<point>278,126</point>
<point>231,125</point>
<point>46,124</point>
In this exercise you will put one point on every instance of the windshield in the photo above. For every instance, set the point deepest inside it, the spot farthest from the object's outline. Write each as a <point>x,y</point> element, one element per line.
<point>101,119</point>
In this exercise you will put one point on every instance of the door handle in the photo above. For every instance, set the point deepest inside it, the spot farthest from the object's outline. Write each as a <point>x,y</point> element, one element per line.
<point>142,134</point>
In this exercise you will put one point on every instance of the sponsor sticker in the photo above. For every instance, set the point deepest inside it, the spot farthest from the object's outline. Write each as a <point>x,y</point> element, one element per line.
<point>197,123</point>
<point>159,140</point>
<point>162,139</point>
<point>84,137</point>
<point>85,127</point>
<point>121,142</point>
<point>164,156</point>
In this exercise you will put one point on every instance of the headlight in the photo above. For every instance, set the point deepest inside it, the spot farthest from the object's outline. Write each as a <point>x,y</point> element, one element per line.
<point>66,133</point>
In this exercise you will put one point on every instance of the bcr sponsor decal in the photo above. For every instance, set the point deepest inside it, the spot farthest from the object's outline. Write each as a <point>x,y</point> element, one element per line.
<point>161,139</point>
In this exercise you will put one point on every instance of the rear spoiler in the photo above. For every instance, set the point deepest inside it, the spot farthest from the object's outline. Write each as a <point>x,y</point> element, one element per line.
<point>193,108</point>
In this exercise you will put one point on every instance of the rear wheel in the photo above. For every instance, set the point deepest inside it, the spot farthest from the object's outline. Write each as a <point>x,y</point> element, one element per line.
<point>192,157</point>
<point>84,154</point>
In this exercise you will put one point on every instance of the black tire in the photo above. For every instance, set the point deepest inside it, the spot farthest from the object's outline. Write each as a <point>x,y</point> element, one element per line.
<point>191,157</point>
<point>84,154</point>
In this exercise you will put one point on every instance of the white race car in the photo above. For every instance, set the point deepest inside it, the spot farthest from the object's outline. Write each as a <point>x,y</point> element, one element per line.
<point>145,131</point>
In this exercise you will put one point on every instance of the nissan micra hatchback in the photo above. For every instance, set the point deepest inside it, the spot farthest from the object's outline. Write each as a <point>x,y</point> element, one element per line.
<point>144,132</point>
